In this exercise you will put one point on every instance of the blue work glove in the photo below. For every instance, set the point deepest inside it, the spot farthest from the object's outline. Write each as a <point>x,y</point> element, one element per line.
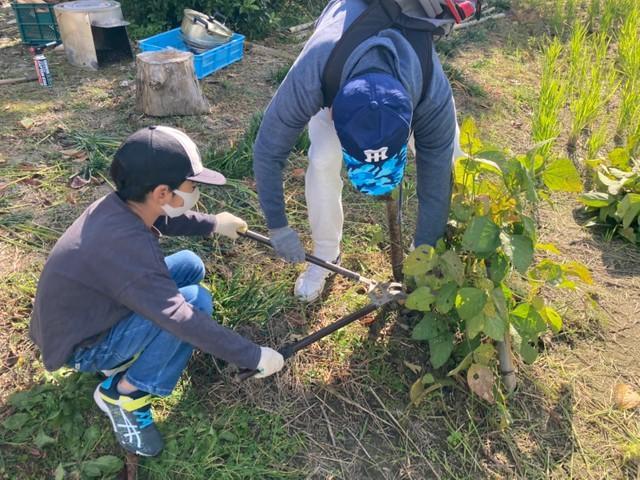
<point>287,244</point>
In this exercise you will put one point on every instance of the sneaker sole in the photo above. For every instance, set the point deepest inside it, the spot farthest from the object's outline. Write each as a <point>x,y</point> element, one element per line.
<point>103,406</point>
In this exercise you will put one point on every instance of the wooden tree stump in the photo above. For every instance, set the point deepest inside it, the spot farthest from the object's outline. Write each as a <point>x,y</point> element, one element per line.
<point>166,84</point>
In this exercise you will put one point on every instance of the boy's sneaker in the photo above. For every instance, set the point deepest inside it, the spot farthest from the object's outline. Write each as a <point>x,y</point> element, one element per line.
<point>130,417</point>
<point>121,367</point>
<point>311,282</point>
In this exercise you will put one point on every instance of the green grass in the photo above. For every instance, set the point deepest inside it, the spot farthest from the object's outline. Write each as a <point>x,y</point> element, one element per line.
<point>58,420</point>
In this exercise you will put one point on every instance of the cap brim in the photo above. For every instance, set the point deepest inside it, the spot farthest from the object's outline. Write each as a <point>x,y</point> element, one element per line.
<point>376,179</point>
<point>209,177</point>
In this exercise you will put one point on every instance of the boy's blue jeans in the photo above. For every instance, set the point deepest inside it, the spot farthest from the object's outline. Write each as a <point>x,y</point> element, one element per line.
<point>163,356</point>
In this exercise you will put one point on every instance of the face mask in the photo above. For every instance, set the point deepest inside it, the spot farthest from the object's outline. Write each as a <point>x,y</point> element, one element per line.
<point>189,199</point>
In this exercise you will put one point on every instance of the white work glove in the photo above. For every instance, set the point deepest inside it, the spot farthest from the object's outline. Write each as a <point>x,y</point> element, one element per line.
<point>229,225</point>
<point>270,362</point>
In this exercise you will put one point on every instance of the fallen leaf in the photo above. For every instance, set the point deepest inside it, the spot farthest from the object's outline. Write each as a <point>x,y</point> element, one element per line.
<point>71,198</point>
<point>480,380</point>
<point>298,172</point>
<point>27,123</point>
<point>73,153</point>
<point>78,182</point>
<point>624,397</point>
<point>413,367</point>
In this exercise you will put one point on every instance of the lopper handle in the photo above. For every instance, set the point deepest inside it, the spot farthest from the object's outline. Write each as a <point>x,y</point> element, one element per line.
<point>313,259</point>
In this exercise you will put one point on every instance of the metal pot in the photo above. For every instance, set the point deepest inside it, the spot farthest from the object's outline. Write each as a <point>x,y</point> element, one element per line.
<point>202,31</point>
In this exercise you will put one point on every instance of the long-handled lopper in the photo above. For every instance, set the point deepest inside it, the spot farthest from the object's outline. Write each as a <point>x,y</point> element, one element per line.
<point>380,294</point>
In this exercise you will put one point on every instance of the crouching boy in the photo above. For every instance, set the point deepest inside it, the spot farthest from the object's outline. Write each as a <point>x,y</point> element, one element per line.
<point>108,300</point>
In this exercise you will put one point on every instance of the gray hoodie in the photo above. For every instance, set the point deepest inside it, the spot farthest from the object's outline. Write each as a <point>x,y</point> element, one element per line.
<point>299,97</point>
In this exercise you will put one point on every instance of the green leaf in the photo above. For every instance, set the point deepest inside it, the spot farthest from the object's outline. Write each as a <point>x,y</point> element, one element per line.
<point>577,269</point>
<point>452,266</point>
<point>420,299</point>
<point>42,440</point>
<point>470,302</point>
<point>481,236</point>
<point>446,297</point>
<point>613,185</point>
<point>484,354</point>
<point>440,349</point>
<point>227,436</point>
<point>529,225</point>
<point>519,248</point>
<point>429,327</point>
<point>416,391</point>
<point>475,325</point>
<point>527,321</point>
<point>59,472</point>
<point>428,378</point>
<point>561,175</point>
<point>105,465</point>
<point>500,303</point>
<point>430,280</point>
<point>630,234</point>
<point>469,140</point>
<point>463,365</point>
<point>498,267</point>
<point>16,421</point>
<point>620,158</point>
<point>420,261</point>
<point>528,352</point>
<point>495,327</point>
<point>596,199</point>
<point>553,318</point>
<point>548,247</point>
<point>629,208</point>
<point>547,271</point>
<point>478,164</point>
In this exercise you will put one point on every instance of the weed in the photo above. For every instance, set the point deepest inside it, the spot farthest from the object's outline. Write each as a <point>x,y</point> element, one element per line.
<point>277,76</point>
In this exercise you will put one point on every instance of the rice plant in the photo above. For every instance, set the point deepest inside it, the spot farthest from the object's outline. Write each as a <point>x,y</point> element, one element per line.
<point>629,108</point>
<point>546,122</point>
<point>593,13</point>
<point>629,44</point>
<point>577,54</point>
<point>597,140</point>
<point>594,82</point>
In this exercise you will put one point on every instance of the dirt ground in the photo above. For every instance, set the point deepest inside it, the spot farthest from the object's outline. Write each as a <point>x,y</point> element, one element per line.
<point>344,403</point>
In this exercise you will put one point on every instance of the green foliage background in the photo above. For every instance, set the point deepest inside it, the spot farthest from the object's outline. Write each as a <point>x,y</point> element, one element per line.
<point>253,18</point>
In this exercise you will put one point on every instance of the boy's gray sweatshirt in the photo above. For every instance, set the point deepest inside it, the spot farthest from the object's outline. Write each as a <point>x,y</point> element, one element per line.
<point>299,97</point>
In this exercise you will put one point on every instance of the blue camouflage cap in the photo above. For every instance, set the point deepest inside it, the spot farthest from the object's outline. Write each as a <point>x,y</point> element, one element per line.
<point>372,115</point>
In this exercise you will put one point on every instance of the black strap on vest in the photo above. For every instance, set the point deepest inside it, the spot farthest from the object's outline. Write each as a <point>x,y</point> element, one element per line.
<point>380,15</point>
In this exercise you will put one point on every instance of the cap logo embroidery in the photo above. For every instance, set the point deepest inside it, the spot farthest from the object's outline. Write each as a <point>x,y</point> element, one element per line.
<point>376,156</point>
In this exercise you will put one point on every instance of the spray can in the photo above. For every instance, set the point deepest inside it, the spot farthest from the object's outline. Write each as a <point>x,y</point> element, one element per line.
<point>42,68</point>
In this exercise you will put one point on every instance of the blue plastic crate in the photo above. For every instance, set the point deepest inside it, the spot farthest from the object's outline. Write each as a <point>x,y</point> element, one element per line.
<point>204,63</point>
